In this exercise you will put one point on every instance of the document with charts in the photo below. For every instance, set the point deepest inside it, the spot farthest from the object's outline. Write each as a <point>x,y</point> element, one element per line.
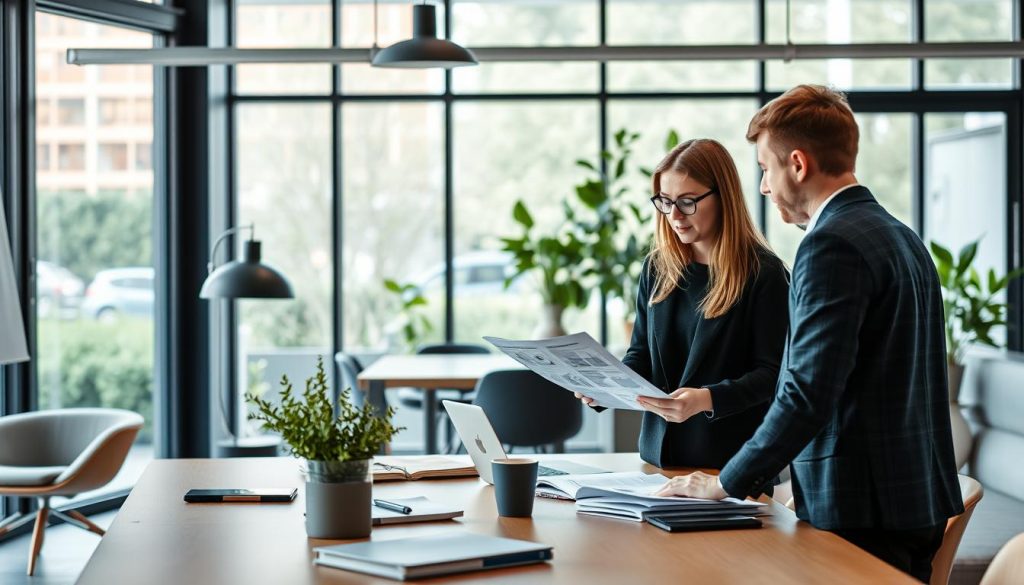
<point>579,363</point>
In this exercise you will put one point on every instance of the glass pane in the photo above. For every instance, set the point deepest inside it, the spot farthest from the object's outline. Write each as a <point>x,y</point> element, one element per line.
<point>841,21</point>
<point>534,160</point>
<point>94,213</point>
<point>393,228</point>
<point>965,188</point>
<point>394,24</point>
<point>653,22</point>
<point>968,20</point>
<point>722,120</point>
<point>526,78</point>
<point>284,188</point>
<point>668,76</point>
<point>884,165</point>
<point>861,74</point>
<point>287,23</point>
<point>969,73</point>
<point>524,23</point>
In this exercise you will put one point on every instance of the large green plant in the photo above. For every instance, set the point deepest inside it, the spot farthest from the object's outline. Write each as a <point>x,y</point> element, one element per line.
<point>614,223</point>
<point>557,260</point>
<point>311,429</point>
<point>968,300</point>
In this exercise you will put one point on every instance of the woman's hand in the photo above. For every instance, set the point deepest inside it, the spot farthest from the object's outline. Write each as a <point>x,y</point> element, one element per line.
<point>680,405</point>
<point>585,399</point>
<point>695,485</point>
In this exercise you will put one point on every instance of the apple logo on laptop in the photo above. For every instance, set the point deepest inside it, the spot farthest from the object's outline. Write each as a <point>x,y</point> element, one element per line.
<point>480,444</point>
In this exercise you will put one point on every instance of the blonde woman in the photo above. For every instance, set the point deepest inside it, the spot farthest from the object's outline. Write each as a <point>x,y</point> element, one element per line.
<point>711,314</point>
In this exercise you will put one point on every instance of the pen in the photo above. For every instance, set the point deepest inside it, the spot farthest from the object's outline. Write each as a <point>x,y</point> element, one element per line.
<point>392,506</point>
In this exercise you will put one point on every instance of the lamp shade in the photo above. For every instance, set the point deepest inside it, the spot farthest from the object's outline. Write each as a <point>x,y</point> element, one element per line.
<point>424,49</point>
<point>247,278</point>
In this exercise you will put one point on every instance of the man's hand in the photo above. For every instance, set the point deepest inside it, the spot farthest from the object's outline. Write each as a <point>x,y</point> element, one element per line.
<point>695,485</point>
<point>680,405</point>
<point>585,399</point>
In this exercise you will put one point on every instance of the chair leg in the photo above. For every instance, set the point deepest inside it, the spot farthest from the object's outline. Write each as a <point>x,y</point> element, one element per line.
<point>14,522</point>
<point>78,520</point>
<point>560,447</point>
<point>37,534</point>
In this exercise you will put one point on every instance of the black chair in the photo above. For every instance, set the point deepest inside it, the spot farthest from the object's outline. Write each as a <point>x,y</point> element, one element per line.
<point>413,397</point>
<point>350,368</point>
<point>527,410</point>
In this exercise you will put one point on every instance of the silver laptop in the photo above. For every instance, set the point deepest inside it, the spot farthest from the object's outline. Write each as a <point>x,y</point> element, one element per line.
<point>482,443</point>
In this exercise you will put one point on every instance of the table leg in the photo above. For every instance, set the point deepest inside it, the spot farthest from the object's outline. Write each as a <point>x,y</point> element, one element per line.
<point>430,422</point>
<point>375,396</point>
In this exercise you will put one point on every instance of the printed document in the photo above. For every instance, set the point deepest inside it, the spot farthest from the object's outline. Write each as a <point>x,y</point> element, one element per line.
<point>579,363</point>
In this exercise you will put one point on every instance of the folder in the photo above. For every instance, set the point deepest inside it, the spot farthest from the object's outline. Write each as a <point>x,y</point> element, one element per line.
<point>431,555</point>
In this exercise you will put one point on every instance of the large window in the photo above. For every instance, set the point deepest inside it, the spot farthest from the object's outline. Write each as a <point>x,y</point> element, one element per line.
<point>428,165</point>
<point>94,210</point>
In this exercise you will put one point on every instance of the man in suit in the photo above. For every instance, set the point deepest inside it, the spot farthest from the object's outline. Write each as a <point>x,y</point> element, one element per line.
<point>861,409</point>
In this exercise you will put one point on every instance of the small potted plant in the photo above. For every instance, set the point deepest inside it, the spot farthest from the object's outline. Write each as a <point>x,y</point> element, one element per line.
<point>338,449</point>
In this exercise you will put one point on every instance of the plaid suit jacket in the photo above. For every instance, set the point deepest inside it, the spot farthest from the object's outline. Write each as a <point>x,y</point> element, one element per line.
<point>861,407</point>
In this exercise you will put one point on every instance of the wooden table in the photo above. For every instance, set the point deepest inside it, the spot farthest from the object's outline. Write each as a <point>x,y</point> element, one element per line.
<point>431,372</point>
<point>157,539</point>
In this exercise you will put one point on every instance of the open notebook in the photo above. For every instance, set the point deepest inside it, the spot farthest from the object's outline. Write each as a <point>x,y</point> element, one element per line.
<point>628,495</point>
<point>418,467</point>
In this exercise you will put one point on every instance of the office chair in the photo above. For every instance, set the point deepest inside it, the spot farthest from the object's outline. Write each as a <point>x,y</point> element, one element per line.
<point>942,563</point>
<point>1007,567</point>
<point>527,410</point>
<point>61,453</point>
<point>413,397</point>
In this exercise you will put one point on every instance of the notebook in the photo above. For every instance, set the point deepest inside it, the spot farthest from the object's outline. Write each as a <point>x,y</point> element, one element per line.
<point>423,510</point>
<point>419,467</point>
<point>431,555</point>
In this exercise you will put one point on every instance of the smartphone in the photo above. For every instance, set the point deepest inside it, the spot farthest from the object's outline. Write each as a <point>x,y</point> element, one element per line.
<point>712,523</point>
<point>241,495</point>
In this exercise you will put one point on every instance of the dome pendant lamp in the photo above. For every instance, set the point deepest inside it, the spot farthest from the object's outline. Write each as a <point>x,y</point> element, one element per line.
<point>424,50</point>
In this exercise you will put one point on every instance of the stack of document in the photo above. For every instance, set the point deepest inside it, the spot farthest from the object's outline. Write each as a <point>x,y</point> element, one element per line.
<point>629,496</point>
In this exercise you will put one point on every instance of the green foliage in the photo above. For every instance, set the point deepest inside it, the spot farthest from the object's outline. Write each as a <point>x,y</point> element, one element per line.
<point>89,363</point>
<point>968,300</point>
<point>86,234</point>
<point>615,227</point>
<point>311,428</point>
<point>416,326</point>
<point>556,259</point>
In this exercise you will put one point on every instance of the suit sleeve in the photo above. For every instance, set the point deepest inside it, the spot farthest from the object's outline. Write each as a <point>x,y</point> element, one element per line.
<point>831,293</point>
<point>770,320</point>
<point>638,356</point>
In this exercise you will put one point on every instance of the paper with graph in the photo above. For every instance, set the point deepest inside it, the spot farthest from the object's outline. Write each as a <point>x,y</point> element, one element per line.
<point>579,363</point>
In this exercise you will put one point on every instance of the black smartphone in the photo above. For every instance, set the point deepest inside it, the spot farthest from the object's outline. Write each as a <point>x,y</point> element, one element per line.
<point>713,523</point>
<point>241,495</point>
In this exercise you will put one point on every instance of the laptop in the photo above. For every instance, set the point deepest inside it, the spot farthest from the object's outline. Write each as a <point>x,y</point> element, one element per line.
<point>482,443</point>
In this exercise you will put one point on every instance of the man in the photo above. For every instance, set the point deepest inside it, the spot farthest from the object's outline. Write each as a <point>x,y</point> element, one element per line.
<point>860,408</point>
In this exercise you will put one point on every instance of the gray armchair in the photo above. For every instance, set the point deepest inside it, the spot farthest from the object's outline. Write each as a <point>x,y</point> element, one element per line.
<point>61,453</point>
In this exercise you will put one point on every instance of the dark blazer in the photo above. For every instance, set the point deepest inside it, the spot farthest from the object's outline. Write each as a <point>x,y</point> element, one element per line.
<point>861,407</point>
<point>736,356</point>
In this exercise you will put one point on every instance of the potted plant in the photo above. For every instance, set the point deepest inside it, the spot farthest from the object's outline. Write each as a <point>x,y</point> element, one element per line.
<point>972,312</point>
<point>557,261</point>
<point>338,451</point>
<point>415,325</point>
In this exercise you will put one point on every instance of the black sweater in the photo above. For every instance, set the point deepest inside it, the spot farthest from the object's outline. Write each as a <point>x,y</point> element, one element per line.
<point>736,356</point>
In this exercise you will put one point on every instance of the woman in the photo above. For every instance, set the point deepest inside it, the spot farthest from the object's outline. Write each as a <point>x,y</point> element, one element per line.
<point>711,314</point>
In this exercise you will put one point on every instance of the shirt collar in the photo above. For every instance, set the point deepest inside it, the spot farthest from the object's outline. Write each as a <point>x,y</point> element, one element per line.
<point>824,204</point>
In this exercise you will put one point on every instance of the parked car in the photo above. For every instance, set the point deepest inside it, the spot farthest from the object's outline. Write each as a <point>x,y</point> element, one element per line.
<point>120,291</point>
<point>58,291</point>
<point>476,273</point>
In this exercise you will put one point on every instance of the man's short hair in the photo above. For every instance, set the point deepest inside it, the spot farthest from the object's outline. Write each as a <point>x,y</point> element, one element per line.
<point>812,118</point>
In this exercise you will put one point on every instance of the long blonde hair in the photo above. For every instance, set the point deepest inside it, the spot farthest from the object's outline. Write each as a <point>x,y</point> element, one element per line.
<point>735,253</point>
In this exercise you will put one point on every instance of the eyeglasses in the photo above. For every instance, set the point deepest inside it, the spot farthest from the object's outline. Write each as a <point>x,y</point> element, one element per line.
<point>686,205</point>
